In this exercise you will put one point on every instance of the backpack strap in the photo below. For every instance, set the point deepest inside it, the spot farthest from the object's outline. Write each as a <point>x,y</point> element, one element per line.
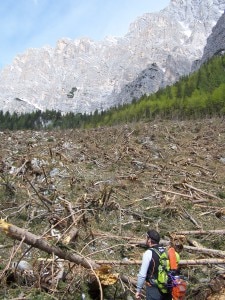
<point>156,251</point>
<point>152,272</point>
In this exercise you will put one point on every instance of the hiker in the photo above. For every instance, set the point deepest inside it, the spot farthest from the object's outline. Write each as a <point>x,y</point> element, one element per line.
<point>149,268</point>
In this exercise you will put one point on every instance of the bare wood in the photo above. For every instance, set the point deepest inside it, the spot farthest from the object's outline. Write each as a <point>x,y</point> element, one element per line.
<point>119,262</point>
<point>199,166</point>
<point>208,206</point>
<point>38,242</point>
<point>5,246</point>
<point>206,250</point>
<point>200,201</point>
<point>132,240</point>
<point>43,199</point>
<point>69,208</point>
<point>188,262</point>
<point>216,231</point>
<point>71,236</point>
<point>206,261</point>
<point>31,239</point>
<point>190,217</point>
<point>201,191</point>
<point>189,248</point>
<point>20,168</point>
<point>142,243</point>
<point>175,193</point>
<point>194,243</point>
<point>184,195</point>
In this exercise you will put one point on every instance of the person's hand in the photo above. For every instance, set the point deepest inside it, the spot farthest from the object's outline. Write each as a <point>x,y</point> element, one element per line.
<point>138,295</point>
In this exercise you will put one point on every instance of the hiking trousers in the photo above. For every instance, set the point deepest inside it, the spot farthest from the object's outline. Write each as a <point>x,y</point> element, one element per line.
<point>153,293</point>
<point>167,296</point>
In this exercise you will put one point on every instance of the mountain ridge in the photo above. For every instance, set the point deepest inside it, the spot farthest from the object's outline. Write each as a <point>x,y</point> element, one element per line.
<point>99,73</point>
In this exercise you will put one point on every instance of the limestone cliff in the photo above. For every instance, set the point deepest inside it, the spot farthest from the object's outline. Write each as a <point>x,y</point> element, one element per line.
<point>84,75</point>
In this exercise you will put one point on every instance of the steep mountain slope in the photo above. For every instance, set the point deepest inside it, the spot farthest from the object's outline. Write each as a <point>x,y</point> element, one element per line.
<point>84,75</point>
<point>215,43</point>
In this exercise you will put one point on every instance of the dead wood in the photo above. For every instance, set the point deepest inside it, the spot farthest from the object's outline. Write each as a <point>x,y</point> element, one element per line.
<point>207,251</point>
<point>43,199</point>
<point>33,240</point>
<point>163,171</point>
<point>201,191</point>
<point>182,263</point>
<point>39,242</point>
<point>176,193</point>
<point>200,232</point>
<point>190,217</point>
<point>201,261</point>
<point>196,248</point>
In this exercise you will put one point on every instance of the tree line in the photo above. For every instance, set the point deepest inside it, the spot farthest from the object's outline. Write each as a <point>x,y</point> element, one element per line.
<point>198,95</point>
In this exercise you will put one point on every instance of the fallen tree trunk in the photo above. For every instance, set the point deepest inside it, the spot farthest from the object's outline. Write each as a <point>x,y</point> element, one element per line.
<point>189,248</point>
<point>202,261</point>
<point>218,231</point>
<point>187,262</point>
<point>31,239</point>
<point>166,243</point>
<point>206,250</point>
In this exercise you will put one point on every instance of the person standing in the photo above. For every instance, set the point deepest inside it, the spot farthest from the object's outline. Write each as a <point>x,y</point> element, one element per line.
<point>149,268</point>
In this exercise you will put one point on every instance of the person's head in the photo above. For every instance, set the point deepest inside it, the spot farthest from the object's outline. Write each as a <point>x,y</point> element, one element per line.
<point>153,237</point>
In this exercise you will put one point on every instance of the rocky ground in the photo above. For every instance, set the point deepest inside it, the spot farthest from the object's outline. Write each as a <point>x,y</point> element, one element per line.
<point>95,193</point>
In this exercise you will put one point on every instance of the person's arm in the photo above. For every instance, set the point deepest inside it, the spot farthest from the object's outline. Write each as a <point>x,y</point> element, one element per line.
<point>147,256</point>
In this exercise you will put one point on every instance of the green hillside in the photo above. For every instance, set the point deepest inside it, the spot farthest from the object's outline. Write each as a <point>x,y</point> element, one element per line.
<point>196,96</point>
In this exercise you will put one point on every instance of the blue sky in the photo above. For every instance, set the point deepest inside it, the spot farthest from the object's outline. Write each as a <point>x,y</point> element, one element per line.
<point>36,23</point>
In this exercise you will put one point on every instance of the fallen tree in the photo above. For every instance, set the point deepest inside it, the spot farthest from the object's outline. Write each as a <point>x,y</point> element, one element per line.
<point>33,240</point>
<point>184,262</point>
<point>196,232</point>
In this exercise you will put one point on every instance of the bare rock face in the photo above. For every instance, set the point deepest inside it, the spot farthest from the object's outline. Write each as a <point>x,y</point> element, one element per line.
<point>84,75</point>
<point>146,82</point>
<point>215,43</point>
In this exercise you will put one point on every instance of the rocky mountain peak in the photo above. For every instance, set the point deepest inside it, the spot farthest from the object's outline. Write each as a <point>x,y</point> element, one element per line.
<point>84,75</point>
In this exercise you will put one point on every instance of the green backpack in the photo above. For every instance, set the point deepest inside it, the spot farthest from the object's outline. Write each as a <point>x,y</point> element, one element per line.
<point>167,267</point>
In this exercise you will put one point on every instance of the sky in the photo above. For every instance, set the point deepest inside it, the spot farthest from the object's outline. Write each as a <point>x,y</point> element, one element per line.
<point>37,23</point>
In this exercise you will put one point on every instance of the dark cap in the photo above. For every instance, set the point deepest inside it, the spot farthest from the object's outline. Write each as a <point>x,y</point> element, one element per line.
<point>153,235</point>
